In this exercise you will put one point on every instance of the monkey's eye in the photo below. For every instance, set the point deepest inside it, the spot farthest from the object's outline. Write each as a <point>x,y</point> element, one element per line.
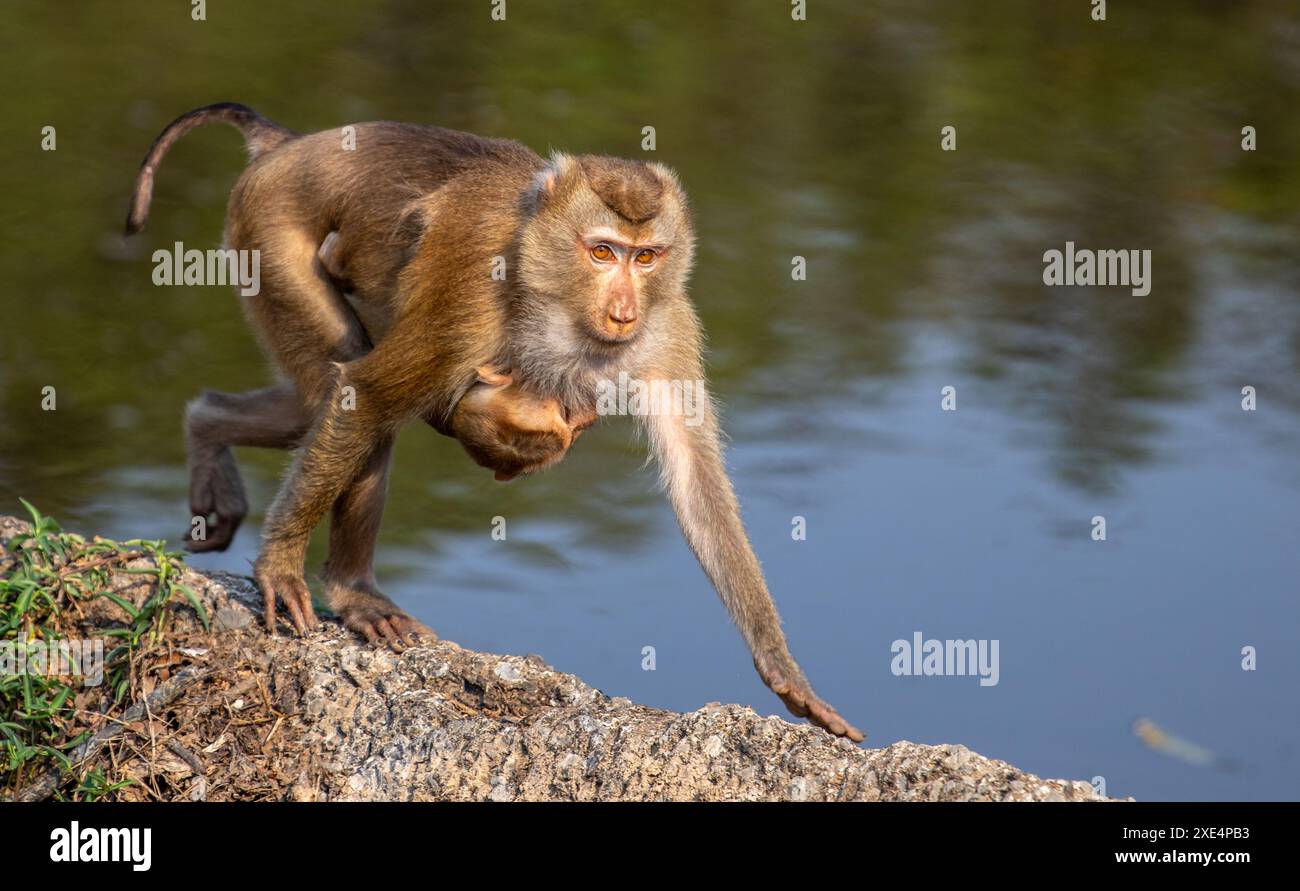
<point>602,252</point>
<point>645,257</point>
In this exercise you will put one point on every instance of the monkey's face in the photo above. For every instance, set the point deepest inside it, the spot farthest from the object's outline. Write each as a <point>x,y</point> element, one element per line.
<point>608,241</point>
<point>618,289</point>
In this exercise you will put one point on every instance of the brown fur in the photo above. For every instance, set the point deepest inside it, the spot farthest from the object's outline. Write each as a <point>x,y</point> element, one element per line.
<point>421,212</point>
<point>629,188</point>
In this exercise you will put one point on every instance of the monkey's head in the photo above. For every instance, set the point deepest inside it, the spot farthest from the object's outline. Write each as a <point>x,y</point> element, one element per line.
<point>508,429</point>
<point>605,240</point>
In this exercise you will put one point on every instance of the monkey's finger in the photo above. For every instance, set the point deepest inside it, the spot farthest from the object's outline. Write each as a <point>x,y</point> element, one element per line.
<point>295,614</point>
<point>401,640</point>
<point>268,603</point>
<point>308,611</point>
<point>386,632</point>
<point>409,629</point>
<point>840,727</point>
<point>795,705</point>
<point>297,600</point>
<point>367,630</point>
<point>390,634</point>
<point>774,679</point>
<point>826,717</point>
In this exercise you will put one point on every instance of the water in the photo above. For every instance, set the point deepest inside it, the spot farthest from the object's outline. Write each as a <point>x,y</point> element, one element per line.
<point>924,270</point>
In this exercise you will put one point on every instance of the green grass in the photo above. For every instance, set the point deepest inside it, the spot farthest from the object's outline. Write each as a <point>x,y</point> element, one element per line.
<point>48,578</point>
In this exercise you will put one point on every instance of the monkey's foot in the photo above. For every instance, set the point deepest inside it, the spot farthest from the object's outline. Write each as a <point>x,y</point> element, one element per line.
<point>376,618</point>
<point>215,489</point>
<point>293,590</point>
<point>785,679</point>
<point>493,376</point>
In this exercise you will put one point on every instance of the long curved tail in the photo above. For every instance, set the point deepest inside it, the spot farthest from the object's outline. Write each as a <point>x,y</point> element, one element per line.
<point>260,135</point>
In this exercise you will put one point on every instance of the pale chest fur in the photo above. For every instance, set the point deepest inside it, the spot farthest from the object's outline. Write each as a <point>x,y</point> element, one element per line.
<point>553,358</point>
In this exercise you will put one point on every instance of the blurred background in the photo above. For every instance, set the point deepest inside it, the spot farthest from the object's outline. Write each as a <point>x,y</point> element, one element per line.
<point>816,138</point>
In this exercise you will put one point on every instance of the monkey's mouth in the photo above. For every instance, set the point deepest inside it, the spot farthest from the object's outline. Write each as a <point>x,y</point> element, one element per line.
<point>606,340</point>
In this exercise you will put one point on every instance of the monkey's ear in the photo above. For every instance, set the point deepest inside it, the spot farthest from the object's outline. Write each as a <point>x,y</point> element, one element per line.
<point>665,173</point>
<point>552,181</point>
<point>668,177</point>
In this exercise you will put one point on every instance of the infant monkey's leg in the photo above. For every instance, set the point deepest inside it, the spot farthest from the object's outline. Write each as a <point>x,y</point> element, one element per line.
<point>331,259</point>
<point>490,375</point>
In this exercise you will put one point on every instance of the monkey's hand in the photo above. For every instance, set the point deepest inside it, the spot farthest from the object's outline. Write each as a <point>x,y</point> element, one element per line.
<point>784,678</point>
<point>579,421</point>
<point>375,617</point>
<point>274,579</point>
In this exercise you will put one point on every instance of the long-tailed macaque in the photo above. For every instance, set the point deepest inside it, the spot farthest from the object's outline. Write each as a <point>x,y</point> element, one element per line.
<point>596,251</point>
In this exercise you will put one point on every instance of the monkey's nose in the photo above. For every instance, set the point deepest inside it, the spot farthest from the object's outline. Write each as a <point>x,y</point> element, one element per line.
<point>621,317</point>
<point>620,327</point>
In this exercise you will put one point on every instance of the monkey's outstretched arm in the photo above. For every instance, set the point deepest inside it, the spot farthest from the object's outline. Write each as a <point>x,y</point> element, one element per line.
<point>690,460</point>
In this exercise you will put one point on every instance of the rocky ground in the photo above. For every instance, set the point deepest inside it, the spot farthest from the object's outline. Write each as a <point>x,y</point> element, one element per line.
<point>230,712</point>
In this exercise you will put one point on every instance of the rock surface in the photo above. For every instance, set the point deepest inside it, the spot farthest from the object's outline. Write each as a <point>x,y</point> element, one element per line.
<point>327,717</point>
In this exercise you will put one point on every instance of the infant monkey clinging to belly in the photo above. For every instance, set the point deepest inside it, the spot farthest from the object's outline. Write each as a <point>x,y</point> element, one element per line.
<point>502,425</point>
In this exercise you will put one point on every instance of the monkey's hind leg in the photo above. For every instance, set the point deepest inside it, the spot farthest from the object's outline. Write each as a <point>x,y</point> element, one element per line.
<point>269,418</point>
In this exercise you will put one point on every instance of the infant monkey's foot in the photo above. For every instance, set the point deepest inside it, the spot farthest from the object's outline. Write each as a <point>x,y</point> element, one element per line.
<point>496,377</point>
<point>785,679</point>
<point>377,619</point>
